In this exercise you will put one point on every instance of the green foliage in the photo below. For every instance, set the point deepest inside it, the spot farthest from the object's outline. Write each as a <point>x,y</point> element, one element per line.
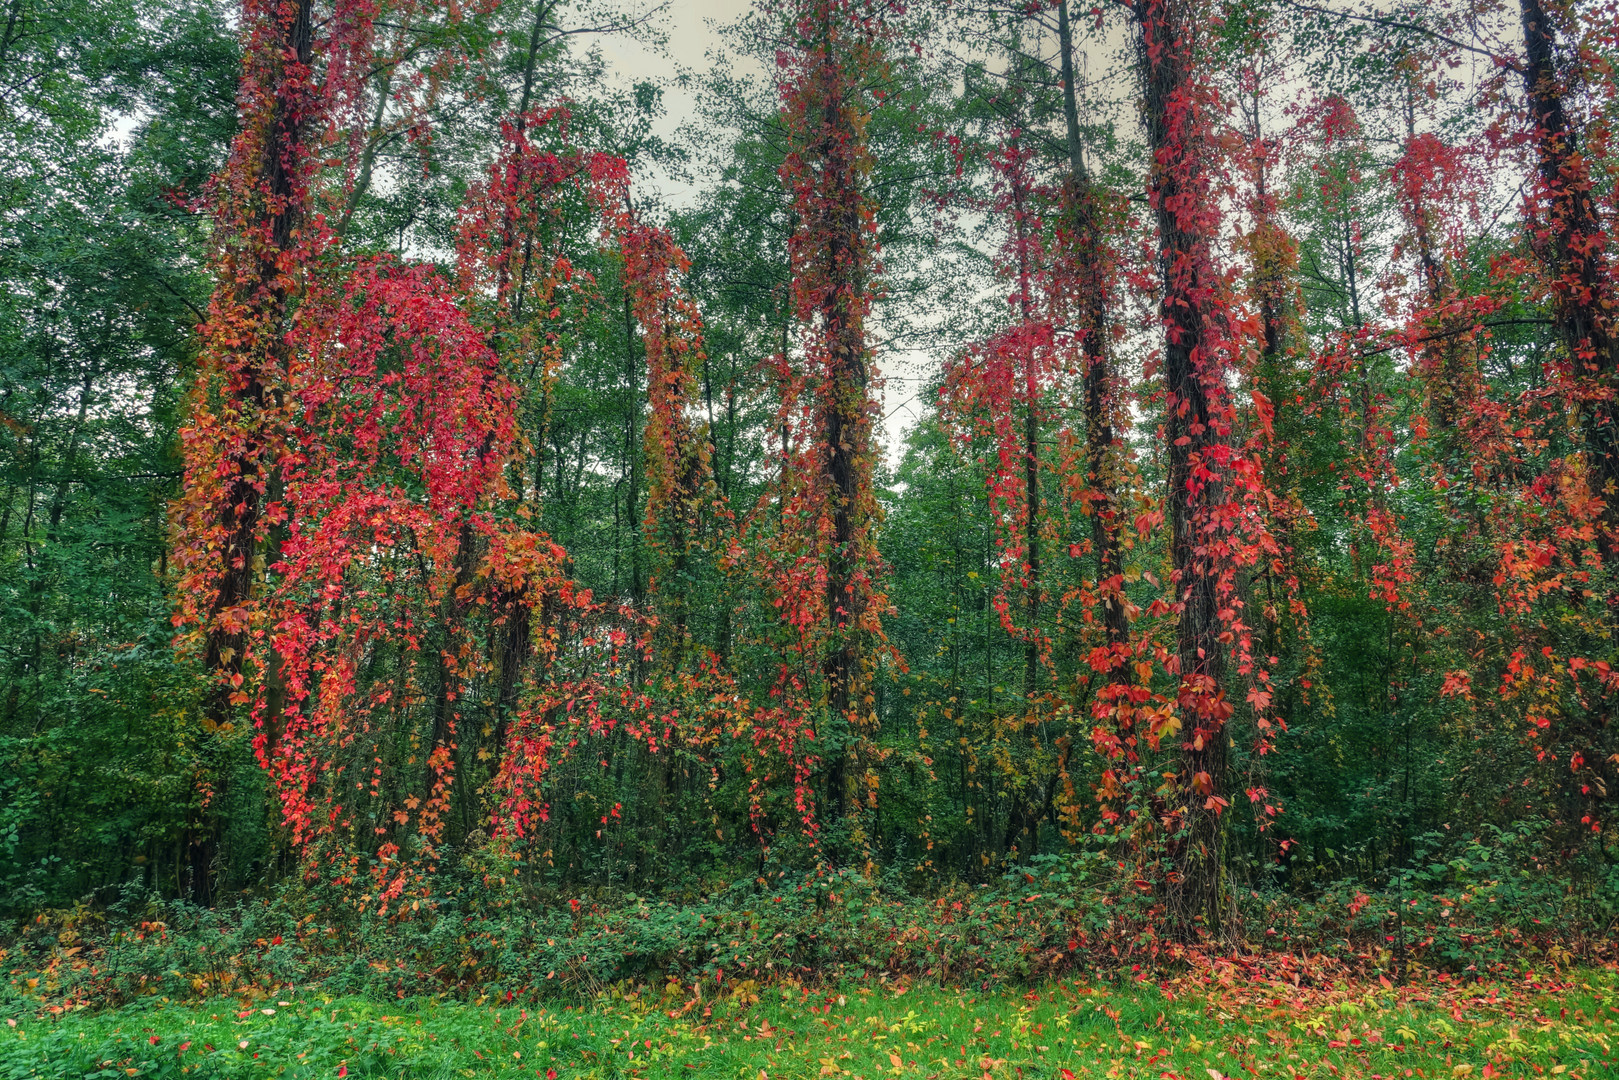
<point>1420,829</point>
<point>1474,906</point>
<point>99,261</point>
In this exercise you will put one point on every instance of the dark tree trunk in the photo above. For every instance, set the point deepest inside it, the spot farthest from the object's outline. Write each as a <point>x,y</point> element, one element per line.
<point>261,298</point>
<point>1031,418</point>
<point>1192,371</point>
<point>1091,263</point>
<point>1573,252</point>
<point>842,413</point>
<point>251,308</point>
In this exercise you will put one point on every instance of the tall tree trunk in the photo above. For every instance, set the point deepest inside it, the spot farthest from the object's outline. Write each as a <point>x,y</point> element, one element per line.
<point>1022,241</point>
<point>1031,471</point>
<point>677,461</point>
<point>1275,293</point>
<point>1194,366</point>
<point>255,292</point>
<point>258,274</point>
<point>375,138</point>
<point>1572,248</point>
<point>632,416</point>
<point>1091,266</point>
<point>834,247</point>
<point>1443,359</point>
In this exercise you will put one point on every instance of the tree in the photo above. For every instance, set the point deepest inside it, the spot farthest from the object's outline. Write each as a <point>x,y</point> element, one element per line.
<point>1213,485</point>
<point>1571,245</point>
<point>828,502</point>
<point>99,295</point>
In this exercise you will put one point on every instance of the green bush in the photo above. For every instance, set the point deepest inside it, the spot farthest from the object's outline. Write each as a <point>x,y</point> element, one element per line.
<point>1472,904</point>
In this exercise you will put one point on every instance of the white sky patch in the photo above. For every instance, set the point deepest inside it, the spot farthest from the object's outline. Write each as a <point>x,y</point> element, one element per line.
<point>695,44</point>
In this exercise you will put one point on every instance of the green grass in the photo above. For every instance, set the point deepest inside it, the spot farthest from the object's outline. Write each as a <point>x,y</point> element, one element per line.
<point>1187,1029</point>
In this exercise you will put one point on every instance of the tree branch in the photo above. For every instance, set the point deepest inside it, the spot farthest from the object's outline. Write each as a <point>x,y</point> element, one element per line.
<point>1401,24</point>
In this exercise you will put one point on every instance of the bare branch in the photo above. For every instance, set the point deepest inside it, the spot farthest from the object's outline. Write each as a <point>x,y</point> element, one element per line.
<point>1401,24</point>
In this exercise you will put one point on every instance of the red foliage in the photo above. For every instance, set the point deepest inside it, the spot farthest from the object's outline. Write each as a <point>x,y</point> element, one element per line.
<point>269,237</point>
<point>402,422</point>
<point>1218,497</point>
<point>998,390</point>
<point>345,538</point>
<point>816,556</point>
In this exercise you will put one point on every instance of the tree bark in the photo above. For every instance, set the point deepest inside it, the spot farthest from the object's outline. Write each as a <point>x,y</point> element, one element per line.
<point>262,215</point>
<point>832,220</point>
<point>261,299</point>
<point>1569,240</point>
<point>1197,439</point>
<point>1031,409</point>
<point>1091,259</point>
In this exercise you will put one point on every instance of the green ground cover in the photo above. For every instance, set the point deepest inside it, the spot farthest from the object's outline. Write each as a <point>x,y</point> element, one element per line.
<point>1191,1028</point>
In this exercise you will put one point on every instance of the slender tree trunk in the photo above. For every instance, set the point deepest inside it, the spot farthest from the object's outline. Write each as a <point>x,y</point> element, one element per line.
<point>632,414</point>
<point>542,12</point>
<point>1031,415</point>
<point>1275,291</point>
<point>1442,359</point>
<point>678,466</point>
<point>40,576</point>
<point>1031,495</point>
<point>1091,261</point>
<point>375,138</point>
<point>70,460</point>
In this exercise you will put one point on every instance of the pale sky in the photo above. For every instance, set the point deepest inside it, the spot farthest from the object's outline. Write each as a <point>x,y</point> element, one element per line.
<point>692,27</point>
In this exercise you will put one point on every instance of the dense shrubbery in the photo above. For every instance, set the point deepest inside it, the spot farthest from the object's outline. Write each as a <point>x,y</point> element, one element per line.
<point>1479,907</point>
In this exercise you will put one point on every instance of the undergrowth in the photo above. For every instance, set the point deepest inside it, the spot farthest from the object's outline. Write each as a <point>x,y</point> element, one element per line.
<point>486,936</point>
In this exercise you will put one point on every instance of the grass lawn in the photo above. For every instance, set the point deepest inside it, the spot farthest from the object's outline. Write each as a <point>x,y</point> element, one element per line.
<point>1564,1027</point>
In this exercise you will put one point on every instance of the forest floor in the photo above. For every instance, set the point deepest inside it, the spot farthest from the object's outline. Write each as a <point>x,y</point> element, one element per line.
<point>1191,1028</point>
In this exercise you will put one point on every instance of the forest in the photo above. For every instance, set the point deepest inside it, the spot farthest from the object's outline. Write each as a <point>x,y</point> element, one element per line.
<point>497,499</point>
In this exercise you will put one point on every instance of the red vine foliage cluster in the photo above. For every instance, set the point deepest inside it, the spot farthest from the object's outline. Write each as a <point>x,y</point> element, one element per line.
<point>818,557</point>
<point>1217,494</point>
<point>350,538</point>
<point>363,577</point>
<point>681,499</point>
<point>999,390</point>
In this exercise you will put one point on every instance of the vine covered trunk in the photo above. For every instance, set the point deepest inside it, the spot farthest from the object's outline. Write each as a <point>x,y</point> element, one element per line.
<point>1569,240</point>
<point>1198,435</point>
<point>832,254</point>
<point>1091,285</point>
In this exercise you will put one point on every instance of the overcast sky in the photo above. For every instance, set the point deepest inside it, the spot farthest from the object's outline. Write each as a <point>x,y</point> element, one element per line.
<point>692,27</point>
